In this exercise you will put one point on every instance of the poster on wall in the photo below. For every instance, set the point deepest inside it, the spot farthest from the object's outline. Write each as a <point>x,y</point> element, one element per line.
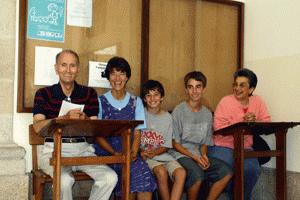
<point>46,20</point>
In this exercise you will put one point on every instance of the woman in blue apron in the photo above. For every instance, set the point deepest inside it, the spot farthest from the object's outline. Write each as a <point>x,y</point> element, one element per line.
<point>118,104</point>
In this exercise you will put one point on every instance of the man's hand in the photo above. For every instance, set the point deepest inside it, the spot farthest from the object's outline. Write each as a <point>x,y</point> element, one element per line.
<point>75,114</point>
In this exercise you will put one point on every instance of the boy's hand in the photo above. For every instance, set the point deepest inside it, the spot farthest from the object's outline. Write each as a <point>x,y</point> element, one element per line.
<point>203,161</point>
<point>144,155</point>
<point>150,154</point>
<point>147,154</point>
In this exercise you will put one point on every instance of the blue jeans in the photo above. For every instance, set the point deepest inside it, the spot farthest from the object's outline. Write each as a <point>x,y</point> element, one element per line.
<point>251,168</point>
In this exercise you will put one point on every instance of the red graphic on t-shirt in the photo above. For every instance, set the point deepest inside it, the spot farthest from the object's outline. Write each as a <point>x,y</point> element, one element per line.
<point>151,139</point>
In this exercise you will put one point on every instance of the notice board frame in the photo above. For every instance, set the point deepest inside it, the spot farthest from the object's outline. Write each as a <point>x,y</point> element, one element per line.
<point>144,65</point>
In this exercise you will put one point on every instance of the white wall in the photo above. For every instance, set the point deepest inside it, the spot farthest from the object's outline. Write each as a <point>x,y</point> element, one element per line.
<point>272,50</point>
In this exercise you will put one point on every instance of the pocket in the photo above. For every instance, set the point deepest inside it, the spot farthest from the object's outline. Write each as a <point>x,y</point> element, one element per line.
<point>91,149</point>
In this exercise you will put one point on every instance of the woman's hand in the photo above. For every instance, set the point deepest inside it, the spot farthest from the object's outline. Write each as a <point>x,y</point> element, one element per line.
<point>116,153</point>
<point>133,155</point>
<point>249,117</point>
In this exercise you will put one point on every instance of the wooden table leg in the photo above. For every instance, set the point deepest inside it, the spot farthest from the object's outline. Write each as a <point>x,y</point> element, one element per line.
<point>126,165</point>
<point>57,164</point>
<point>238,165</point>
<point>281,165</point>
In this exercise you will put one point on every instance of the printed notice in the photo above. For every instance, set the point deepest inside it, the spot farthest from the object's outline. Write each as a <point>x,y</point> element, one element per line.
<point>46,20</point>
<point>95,75</point>
<point>44,71</point>
<point>79,13</point>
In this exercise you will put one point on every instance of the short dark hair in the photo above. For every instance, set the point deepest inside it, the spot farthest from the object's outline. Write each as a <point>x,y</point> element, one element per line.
<point>197,75</point>
<point>250,75</point>
<point>70,52</point>
<point>152,85</point>
<point>118,63</point>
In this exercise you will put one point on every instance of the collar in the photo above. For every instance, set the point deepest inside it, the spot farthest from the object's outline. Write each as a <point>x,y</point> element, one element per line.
<point>59,94</point>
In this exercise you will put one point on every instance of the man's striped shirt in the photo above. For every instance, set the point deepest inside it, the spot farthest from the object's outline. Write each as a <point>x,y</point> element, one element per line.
<point>48,100</point>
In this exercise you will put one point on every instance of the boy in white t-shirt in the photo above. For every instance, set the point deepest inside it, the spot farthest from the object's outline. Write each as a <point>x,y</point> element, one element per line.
<point>156,139</point>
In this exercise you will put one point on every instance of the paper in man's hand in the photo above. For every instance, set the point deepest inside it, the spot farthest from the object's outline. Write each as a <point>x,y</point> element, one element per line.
<point>67,106</point>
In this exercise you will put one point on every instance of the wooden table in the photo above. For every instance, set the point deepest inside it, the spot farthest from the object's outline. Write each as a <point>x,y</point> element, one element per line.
<point>245,128</point>
<point>58,128</point>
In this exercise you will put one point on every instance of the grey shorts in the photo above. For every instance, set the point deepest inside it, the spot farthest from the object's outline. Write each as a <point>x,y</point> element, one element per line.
<point>171,166</point>
<point>217,170</point>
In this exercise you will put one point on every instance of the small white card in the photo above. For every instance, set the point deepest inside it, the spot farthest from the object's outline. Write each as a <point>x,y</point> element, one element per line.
<point>95,75</point>
<point>44,71</point>
<point>67,106</point>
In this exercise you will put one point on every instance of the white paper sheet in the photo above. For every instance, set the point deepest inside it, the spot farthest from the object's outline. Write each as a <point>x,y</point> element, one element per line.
<point>67,106</point>
<point>112,50</point>
<point>95,78</point>
<point>44,71</point>
<point>79,13</point>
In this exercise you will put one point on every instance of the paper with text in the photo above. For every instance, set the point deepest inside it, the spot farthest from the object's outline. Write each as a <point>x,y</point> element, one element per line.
<point>67,106</point>
<point>95,78</point>
<point>79,13</point>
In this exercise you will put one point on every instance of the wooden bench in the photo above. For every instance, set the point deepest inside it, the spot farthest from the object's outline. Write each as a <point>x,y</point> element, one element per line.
<point>238,130</point>
<point>40,178</point>
<point>58,128</point>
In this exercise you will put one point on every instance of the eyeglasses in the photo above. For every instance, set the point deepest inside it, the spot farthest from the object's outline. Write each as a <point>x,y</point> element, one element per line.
<point>241,85</point>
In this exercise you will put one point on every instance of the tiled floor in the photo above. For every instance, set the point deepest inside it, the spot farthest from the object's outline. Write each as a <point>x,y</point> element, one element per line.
<point>264,189</point>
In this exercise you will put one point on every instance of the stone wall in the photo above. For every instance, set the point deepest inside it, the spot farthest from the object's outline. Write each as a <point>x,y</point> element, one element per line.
<point>13,180</point>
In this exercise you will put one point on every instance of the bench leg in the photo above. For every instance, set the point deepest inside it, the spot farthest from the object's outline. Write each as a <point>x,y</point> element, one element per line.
<point>38,188</point>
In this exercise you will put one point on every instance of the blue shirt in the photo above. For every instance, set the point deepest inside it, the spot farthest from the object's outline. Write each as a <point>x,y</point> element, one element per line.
<point>119,104</point>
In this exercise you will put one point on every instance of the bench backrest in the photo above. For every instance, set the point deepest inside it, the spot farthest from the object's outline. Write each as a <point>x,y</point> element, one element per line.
<point>34,141</point>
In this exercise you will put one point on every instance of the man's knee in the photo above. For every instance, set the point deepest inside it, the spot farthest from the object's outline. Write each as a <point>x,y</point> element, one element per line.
<point>67,181</point>
<point>110,178</point>
<point>113,178</point>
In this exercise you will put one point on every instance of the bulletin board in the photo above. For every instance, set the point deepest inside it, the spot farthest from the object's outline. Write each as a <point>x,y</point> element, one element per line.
<point>115,25</point>
<point>161,40</point>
